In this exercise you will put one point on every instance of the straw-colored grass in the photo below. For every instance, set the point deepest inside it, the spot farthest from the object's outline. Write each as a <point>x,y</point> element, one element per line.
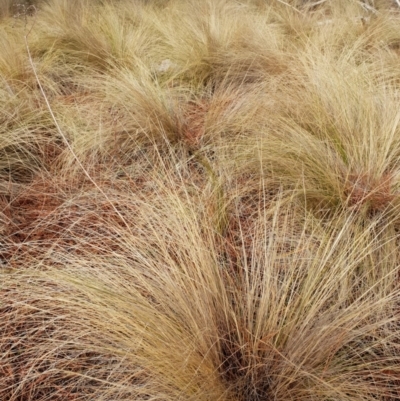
<point>199,200</point>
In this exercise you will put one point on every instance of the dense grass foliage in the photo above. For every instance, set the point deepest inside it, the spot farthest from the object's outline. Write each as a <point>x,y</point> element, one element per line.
<point>199,200</point>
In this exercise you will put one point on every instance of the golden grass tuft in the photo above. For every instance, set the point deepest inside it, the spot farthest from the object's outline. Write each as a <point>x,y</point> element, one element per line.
<point>199,200</point>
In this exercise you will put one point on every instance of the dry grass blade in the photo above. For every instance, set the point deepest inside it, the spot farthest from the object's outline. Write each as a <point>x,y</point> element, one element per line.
<point>199,200</point>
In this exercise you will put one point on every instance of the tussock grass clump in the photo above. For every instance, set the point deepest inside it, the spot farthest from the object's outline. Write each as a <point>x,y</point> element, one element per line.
<point>199,200</point>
